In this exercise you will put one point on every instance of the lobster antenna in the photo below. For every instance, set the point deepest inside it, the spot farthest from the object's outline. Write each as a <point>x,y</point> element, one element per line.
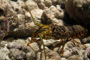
<point>33,19</point>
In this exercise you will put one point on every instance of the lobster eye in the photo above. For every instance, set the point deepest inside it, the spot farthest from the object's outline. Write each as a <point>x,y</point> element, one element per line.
<point>62,30</point>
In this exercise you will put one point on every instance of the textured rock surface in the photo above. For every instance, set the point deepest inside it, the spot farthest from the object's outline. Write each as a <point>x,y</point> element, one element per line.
<point>20,20</point>
<point>20,25</point>
<point>17,50</point>
<point>4,52</point>
<point>51,55</point>
<point>86,40</point>
<point>74,57</point>
<point>79,11</point>
<point>52,15</point>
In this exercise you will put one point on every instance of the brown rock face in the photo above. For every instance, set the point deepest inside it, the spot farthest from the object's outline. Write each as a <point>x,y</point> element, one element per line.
<point>79,11</point>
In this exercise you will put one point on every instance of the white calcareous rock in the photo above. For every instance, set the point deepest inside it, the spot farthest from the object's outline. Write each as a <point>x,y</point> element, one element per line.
<point>50,55</point>
<point>74,57</point>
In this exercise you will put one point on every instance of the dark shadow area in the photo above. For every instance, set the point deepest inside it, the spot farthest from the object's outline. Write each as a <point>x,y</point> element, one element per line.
<point>67,20</point>
<point>2,12</point>
<point>15,0</point>
<point>71,22</point>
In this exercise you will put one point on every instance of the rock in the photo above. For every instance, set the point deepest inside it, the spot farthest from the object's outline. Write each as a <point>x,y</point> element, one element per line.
<point>48,3</point>
<point>75,51</point>
<point>47,16</point>
<point>21,26</point>
<point>86,40</point>
<point>52,15</point>
<point>73,48</point>
<point>21,44</point>
<point>16,54</point>
<point>59,13</point>
<point>75,43</point>
<point>34,46</point>
<point>77,9</point>
<point>59,2</point>
<point>50,55</point>
<point>16,7</point>
<point>18,50</point>
<point>4,24</point>
<point>78,51</point>
<point>31,4</point>
<point>40,4</point>
<point>30,56</point>
<point>4,52</point>
<point>20,20</point>
<point>16,44</point>
<point>66,53</point>
<point>74,57</point>
<point>4,27</point>
<point>88,45</point>
<point>87,53</point>
<point>17,18</point>
<point>63,59</point>
<point>37,13</point>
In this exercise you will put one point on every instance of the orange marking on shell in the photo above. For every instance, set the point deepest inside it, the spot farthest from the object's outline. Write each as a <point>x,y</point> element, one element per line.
<point>74,37</point>
<point>82,34</point>
<point>28,44</point>
<point>78,36</point>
